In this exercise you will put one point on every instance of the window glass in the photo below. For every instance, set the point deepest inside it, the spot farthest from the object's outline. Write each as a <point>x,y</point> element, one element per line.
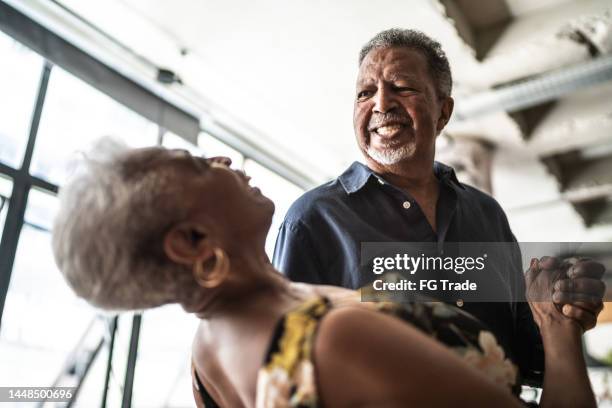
<point>173,141</point>
<point>6,186</point>
<point>92,389</point>
<point>163,376</point>
<point>20,73</point>
<point>74,115</point>
<point>213,147</point>
<point>282,192</point>
<point>41,210</point>
<point>43,320</point>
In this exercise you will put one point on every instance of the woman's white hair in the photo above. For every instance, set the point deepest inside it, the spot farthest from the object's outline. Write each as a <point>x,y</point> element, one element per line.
<point>108,235</point>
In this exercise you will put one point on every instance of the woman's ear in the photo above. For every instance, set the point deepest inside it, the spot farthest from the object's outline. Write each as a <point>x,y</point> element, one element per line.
<point>187,242</point>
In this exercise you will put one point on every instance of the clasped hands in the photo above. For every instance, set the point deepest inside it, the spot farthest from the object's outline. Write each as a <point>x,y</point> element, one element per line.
<point>570,290</point>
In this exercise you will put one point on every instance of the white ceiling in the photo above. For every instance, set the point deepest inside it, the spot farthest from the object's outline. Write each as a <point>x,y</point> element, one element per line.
<point>285,68</point>
<point>283,72</point>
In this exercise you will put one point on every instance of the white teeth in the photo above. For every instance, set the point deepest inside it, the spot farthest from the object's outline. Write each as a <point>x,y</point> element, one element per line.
<point>388,130</point>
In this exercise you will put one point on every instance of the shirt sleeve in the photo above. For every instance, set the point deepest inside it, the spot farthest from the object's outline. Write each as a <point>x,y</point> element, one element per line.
<point>528,347</point>
<point>294,254</point>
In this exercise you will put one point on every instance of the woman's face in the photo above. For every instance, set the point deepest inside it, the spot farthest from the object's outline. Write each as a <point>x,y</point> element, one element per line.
<point>219,198</point>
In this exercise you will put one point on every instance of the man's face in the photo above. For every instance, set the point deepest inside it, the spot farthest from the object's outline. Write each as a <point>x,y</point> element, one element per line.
<point>397,113</point>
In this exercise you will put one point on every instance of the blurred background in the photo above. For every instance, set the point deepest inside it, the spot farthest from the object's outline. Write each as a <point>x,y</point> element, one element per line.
<point>271,85</point>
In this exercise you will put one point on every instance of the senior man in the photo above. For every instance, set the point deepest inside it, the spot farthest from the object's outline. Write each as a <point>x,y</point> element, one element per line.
<point>403,101</point>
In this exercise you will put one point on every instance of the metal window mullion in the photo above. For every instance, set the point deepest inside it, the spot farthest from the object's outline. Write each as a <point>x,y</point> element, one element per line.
<point>114,322</point>
<point>130,369</point>
<point>40,101</point>
<point>19,196</point>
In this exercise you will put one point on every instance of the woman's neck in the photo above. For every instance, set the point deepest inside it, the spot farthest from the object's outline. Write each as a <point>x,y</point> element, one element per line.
<point>254,289</point>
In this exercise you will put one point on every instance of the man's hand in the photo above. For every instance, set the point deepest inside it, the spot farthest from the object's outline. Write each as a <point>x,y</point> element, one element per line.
<point>580,293</point>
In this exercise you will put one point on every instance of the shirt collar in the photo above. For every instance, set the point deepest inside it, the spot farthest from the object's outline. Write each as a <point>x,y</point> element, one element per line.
<point>358,174</point>
<point>446,173</point>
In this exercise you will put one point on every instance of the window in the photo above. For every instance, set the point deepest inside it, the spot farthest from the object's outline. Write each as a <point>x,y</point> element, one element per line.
<point>163,368</point>
<point>49,336</point>
<point>43,320</point>
<point>92,388</point>
<point>172,141</point>
<point>6,186</point>
<point>213,147</point>
<point>74,115</point>
<point>19,80</point>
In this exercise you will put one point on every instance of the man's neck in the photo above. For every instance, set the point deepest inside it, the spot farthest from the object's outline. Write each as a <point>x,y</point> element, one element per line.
<point>418,179</point>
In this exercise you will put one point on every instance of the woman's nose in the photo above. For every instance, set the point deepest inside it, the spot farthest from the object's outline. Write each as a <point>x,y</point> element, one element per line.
<point>226,161</point>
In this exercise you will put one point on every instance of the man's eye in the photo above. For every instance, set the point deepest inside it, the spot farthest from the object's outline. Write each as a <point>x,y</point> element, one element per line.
<point>364,94</point>
<point>405,89</point>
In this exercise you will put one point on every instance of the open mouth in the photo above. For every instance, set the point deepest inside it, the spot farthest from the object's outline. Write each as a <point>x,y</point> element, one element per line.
<point>389,130</point>
<point>247,180</point>
<point>252,189</point>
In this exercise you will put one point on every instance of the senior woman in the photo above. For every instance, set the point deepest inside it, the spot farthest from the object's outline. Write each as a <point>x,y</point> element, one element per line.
<point>143,228</point>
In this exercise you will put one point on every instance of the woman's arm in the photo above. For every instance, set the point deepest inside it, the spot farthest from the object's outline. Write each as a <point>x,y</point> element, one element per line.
<point>566,383</point>
<point>366,358</point>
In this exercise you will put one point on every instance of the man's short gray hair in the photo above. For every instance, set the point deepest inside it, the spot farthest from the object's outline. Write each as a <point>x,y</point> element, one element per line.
<point>108,234</point>
<point>416,40</point>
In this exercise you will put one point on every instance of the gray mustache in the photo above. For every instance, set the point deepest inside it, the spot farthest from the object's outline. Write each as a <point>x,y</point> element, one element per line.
<point>380,119</point>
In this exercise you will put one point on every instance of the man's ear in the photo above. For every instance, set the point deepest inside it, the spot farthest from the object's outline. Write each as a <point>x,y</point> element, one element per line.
<point>446,110</point>
<point>187,242</point>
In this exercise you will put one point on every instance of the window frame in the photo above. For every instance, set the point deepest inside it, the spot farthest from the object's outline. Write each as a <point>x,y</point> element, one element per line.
<point>169,117</point>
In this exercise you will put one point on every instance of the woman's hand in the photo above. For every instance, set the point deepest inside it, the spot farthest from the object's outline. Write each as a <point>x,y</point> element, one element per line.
<point>580,296</point>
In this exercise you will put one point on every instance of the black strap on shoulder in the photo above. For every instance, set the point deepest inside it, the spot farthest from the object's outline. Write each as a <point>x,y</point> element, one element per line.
<point>209,402</point>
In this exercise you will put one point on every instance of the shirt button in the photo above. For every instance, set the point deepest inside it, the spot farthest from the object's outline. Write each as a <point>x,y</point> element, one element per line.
<point>460,303</point>
<point>406,204</point>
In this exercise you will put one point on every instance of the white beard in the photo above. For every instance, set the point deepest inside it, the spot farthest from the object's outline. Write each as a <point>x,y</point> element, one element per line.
<point>390,155</point>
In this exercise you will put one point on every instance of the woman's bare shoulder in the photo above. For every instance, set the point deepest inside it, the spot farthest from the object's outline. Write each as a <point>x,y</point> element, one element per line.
<point>392,363</point>
<point>334,293</point>
<point>344,323</point>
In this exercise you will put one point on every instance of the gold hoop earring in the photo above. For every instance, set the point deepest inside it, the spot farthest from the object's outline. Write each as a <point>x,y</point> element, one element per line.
<point>217,275</point>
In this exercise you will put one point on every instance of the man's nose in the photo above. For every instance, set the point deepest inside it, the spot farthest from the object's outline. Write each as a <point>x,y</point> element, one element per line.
<point>384,101</point>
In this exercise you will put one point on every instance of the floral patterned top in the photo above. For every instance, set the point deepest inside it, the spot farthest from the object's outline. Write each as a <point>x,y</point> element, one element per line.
<point>287,377</point>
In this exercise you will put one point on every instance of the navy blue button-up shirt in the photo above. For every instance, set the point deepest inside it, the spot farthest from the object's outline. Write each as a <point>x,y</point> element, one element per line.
<point>320,240</point>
